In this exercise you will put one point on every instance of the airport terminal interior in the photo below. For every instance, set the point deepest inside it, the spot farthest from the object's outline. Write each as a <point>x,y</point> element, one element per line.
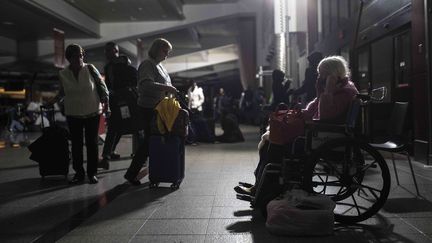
<point>366,177</point>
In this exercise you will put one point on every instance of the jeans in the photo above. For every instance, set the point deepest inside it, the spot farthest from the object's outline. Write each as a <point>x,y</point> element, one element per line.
<point>142,152</point>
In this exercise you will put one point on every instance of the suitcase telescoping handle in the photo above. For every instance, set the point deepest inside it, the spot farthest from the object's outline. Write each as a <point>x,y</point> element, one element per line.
<point>50,113</point>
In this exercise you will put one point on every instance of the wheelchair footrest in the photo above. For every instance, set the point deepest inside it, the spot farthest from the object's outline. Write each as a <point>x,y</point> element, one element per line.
<point>245,184</point>
<point>245,197</point>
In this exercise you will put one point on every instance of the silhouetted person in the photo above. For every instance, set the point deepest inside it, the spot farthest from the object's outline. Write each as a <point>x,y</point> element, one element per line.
<point>119,75</point>
<point>280,87</point>
<point>311,74</point>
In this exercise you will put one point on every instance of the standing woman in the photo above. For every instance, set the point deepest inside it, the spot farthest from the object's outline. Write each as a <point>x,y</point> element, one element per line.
<point>79,84</point>
<point>153,85</point>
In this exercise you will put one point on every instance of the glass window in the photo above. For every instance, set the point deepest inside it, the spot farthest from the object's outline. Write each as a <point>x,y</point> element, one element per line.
<point>402,59</point>
<point>343,10</point>
<point>381,74</point>
<point>354,7</point>
<point>363,70</point>
<point>345,52</point>
<point>320,20</point>
<point>334,20</point>
<point>326,17</point>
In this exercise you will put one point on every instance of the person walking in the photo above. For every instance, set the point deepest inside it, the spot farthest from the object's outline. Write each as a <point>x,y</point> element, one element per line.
<point>154,84</point>
<point>82,103</point>
<point>119,75</point>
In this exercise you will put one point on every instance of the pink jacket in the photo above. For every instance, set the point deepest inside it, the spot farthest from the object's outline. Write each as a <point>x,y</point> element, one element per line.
<point>331,106</point>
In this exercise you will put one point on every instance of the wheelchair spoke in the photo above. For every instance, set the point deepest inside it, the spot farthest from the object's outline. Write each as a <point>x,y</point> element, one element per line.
<point>371,189</point>
<point>340,190</point>
<point>354,175</point>
<point>356,205</point>
<point>367,167</point>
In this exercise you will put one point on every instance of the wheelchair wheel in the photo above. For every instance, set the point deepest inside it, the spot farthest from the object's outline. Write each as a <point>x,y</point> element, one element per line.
<point>354,175</point>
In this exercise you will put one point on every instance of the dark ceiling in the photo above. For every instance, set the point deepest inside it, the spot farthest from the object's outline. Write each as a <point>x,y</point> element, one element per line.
<point>21,21</point>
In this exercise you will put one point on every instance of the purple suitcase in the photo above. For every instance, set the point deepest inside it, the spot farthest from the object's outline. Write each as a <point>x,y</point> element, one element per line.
<point>166,160</point>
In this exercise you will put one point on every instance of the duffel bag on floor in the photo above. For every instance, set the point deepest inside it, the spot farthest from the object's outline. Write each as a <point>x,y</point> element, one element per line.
<point>300,213</point>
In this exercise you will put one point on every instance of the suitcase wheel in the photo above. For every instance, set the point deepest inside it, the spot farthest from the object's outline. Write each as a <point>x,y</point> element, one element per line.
<point>153,185</point>
<point>175,186</point>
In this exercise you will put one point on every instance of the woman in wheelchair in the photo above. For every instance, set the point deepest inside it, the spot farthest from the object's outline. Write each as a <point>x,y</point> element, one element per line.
<point>335,93</point>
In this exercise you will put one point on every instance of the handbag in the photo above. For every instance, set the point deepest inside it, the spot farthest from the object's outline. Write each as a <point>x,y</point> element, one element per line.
<point>101,88</point>
<point>285,126</point>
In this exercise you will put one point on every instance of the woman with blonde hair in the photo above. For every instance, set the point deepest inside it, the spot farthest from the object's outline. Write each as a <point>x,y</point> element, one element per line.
<point>334,92</point>
<point>153,84</point>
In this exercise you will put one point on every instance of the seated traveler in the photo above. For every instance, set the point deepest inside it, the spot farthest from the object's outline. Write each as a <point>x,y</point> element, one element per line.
<point>334,95</point>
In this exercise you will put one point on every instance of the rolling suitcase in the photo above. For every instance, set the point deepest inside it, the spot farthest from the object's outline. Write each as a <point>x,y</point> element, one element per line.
<point>51,149</point>
<point>166,160</point>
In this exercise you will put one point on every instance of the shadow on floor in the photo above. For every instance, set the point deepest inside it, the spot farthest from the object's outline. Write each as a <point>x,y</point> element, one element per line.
<point>30,187</point>
<point>381,231</point>
<point>135,197</point>
<point>407,205</point>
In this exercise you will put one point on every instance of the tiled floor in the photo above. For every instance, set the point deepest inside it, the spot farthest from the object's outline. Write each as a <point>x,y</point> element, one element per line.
<point>204,209</point>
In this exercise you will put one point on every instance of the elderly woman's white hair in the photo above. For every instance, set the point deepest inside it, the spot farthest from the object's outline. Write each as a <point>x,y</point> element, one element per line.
<point>334,65</point>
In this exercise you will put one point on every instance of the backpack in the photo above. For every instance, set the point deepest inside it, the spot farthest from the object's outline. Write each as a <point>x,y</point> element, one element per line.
<point>121,74</point>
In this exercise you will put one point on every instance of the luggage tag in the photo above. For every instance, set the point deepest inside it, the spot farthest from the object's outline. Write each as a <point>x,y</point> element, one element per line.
<point>124,112</point>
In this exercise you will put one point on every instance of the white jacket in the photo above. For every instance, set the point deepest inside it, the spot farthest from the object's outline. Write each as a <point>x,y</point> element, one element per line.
<point>81,97</point>
<point>196,98</point>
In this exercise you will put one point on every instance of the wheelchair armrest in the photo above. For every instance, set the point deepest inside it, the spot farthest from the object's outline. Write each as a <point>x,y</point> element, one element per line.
<point>318,126</point>
<point>312,128</point>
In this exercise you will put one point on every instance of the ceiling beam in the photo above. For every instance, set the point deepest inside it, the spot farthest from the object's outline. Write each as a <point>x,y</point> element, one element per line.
<point>128,48</point>
<point>69,14</point>
<point>195,14</point>
<point>219,68</point>
<point>194,60</point>
<point>174,7</point>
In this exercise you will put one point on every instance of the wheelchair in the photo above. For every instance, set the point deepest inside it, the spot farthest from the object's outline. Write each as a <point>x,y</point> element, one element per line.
<point>345,168</point>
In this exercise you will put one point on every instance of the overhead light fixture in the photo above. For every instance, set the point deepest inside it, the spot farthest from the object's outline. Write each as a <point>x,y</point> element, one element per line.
<point>111,1</point>
<point>140,8</point>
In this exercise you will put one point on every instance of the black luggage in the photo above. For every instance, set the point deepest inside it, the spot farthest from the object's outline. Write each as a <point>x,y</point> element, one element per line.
<point>166,160</point>
<point>231,129</point>
<point>202,130</point>
<point>125,116</point>
<point>51,149</point>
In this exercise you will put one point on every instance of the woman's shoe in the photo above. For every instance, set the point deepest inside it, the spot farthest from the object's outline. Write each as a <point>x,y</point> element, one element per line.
<point>104,164</point>
<point>93,179</point>
<point>115,156</point>
<point>77,179</point>
<point>134,181</point>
